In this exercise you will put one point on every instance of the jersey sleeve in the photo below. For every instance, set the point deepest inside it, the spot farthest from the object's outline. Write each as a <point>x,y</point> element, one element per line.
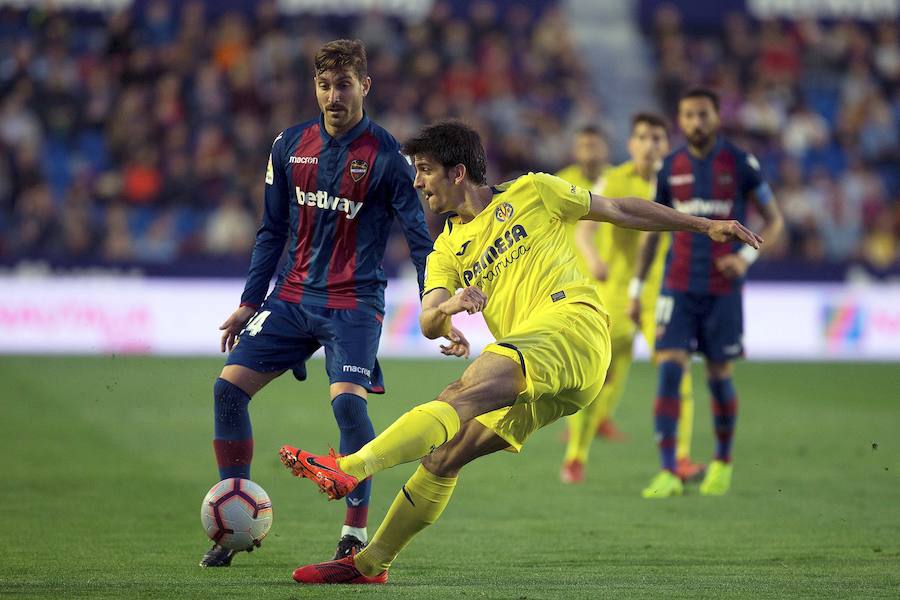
<point>663,193</point>
<point>752,181</point>
<point>408,210</point>
<point>272,234</point>
<point>563,200</point>
<point>440,271</point>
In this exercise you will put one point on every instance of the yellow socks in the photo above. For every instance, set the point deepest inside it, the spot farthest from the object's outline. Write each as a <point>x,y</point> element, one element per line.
<point>614,387</point>
<point>412,436</point>
<point>419,504</point>
<point>583,428</point>
<point>686,418</point>
<point>583,424</point>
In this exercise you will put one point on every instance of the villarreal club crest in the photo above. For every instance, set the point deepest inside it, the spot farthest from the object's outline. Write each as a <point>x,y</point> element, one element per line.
<point>504,212</point>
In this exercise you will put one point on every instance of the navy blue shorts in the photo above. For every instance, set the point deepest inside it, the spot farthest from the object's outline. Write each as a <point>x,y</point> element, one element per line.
<point>710,324</point>
<point>282,335</point>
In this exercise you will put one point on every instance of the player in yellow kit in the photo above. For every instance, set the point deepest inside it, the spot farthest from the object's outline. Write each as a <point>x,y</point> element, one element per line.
<point>505,252</point>
<point>591,154</point>
<point>611,256</point>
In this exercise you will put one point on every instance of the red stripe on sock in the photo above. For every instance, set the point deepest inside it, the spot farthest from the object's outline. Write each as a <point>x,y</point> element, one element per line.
<point>667,407</point>
<point>357,516</point>
<point>232,453</point>
<point>725,409</point>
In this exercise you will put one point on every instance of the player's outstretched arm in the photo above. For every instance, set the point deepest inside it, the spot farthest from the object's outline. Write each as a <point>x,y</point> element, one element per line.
<point>634,213</point>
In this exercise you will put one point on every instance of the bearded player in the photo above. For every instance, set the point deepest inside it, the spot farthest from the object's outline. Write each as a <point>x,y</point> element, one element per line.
<point>700,306</point>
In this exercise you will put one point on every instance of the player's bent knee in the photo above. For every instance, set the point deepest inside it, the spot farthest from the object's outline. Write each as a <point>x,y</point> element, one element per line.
<point>345,387</point>
<point>247,379</point>
<point>441,463</point>
<point>474,398</point>
<point>719,370</point>
<point>679,356</point>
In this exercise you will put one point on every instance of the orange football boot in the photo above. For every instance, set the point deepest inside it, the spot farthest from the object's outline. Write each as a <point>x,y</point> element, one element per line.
<point>322,470</point>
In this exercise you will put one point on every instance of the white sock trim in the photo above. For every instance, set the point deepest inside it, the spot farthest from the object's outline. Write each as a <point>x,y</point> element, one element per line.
<point>359,533</point>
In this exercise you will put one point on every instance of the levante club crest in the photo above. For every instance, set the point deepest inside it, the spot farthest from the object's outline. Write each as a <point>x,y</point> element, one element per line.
<point>358,169</point>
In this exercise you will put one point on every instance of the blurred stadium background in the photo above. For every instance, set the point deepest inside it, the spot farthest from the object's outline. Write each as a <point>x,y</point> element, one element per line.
<point>133,136</point>
<point>133,144</point>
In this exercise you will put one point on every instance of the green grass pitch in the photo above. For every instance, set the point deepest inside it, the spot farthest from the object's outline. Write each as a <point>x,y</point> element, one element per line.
<point>105,461</point>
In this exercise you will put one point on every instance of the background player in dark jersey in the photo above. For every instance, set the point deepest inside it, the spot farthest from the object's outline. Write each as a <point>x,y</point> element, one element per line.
<point>334,185</point>
<point>700,305</point>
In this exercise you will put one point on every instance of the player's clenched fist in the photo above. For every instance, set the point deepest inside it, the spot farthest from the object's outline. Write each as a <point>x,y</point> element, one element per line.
<point>727,231</point>
<point>233,325</point>
<point>470,299</point>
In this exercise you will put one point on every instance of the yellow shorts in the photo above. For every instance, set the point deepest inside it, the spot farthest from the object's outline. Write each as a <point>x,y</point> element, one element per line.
<point>621,331</point>
<point>564,352</point>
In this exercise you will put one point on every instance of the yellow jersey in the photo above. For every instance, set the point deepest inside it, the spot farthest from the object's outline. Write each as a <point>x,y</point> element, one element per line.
<point>574,174</point>
<point>619,247</point>
<point>518,251</point>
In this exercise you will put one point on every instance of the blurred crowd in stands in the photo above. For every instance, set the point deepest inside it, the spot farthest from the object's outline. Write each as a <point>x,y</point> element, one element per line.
<point>819,104</point>
<point>142,137</point>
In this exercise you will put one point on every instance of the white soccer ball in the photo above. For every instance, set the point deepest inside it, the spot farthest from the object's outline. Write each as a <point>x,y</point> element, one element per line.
<point>236,514</point>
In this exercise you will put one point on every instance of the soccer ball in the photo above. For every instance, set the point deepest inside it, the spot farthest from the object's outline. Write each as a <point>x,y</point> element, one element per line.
<point>236,514</point>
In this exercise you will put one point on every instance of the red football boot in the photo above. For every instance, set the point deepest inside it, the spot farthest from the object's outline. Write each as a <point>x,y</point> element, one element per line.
<point>572,471</point>
<point>689,471</point>
<point>322,470</point>
<point>607,430</point>
<point>336,571</point>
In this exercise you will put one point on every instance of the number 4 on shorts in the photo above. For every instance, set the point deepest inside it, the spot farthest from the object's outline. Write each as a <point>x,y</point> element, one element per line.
<point>255,324</point>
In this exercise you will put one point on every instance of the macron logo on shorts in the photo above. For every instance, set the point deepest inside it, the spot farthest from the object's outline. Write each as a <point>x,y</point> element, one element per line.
<point>355,369</point>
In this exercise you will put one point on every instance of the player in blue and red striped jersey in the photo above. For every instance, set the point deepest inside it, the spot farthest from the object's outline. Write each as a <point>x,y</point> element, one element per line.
<point>700,306</point>
<point>334,186</point>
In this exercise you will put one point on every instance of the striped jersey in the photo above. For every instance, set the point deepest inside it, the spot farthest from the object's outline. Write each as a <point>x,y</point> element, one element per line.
<point>717,186</point>
<point>334,201</point>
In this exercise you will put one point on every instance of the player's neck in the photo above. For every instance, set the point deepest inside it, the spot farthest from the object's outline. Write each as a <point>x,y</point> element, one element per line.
<point>338,132</point>
<point>645,172</point>
<point>475,200</point>
<point>702,151</point>
<point>592,172</point>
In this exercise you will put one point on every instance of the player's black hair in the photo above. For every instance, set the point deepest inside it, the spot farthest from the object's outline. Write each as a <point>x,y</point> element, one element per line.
<point>702,92</point>
<point>451,143</point>
<point>650,118</point>
<point>591,130</point>
<point>342,54</point>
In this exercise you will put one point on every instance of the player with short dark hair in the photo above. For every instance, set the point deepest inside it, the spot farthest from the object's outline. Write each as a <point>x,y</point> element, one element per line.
<point>700,306</point>
<point>333,187</point>
<point>591,153</point>
<point>506,252</point>
<point>611,257</point>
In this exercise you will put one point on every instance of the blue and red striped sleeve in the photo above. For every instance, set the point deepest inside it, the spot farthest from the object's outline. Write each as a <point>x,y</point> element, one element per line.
<point>752,181</point>
<point>273,232</point>
<point>408,210</point>
<point>663,193</point>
